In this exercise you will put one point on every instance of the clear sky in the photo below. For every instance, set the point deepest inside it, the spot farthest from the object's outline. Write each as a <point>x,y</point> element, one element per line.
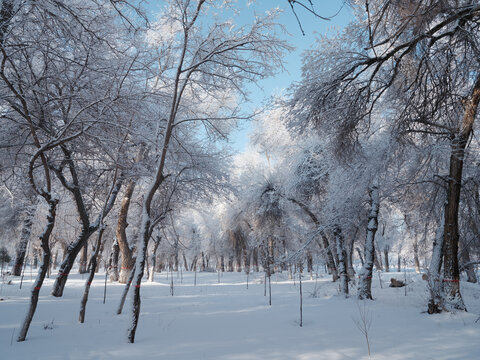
<point>313,27</point>
<point>340,15</point>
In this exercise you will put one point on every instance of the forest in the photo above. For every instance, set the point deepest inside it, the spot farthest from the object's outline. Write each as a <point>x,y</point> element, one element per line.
<point>354,207</point>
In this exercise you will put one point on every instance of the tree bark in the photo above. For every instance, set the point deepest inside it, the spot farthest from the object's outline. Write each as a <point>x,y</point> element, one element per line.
<point>113,261</point>
<point>451,235</point>
<point>91,275</point>
<point>37,285</point>
<point>365,275</point>
<point>435,304</point>
<point>125,250</point>
<point>342,268</point>
<point>82,268</point>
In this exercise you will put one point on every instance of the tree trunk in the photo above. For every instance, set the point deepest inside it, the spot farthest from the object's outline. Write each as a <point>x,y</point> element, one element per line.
<point>451,235</point>
<point>332,268</point>
<point>21,248</point>
<point>365,275</point>
<point>255,259</point>
<point>125,250</point>
<point>415,257</point>
<point>139,270</point>
<point>67,264</point>
<point>360,256</point>
<point>469,268</point>
<point>91,275</point>
<point>435,304</point>
<point>125,292</point>
<point>153,258</point>
<point>37,285</point>
<point>113,261</point>
<point>82,269</point>
<point>387,263</point>
<point>342,268</point>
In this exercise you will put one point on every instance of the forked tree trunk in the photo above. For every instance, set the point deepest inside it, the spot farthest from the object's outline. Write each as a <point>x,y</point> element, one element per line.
<point>87,228</point>
<point>67,264</point>
<point>365,275</point>
<point>451,236</point>
<point>37,285</point>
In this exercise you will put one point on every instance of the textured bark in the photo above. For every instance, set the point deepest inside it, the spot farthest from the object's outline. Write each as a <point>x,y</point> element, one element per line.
<point>451,235</point>
<point>365,275</point>
<point>37,285</point>
<point>125,250</point>
<point>342,267</point>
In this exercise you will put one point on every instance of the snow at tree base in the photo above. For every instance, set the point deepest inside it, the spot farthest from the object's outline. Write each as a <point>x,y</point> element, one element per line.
<point>136,222</point>
<point>225,320</point>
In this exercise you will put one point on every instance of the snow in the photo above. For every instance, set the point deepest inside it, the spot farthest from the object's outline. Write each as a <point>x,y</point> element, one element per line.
<point>228,321</point>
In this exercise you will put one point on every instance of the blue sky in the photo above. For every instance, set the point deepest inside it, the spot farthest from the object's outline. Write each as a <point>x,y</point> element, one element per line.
<point>312,26</point>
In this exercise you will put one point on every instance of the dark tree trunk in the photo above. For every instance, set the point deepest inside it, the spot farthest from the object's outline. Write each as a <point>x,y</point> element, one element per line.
<point>91,275</point>
<point>451,236</point>
<point>37,285</point>
<point>67,264</point>
<point>125,292</point>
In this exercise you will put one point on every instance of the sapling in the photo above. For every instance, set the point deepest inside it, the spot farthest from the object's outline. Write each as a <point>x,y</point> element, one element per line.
<point>301,299</point>
<point>363,323</point>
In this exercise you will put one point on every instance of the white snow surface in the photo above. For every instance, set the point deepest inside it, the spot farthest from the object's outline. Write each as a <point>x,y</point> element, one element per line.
<point>228,321</point>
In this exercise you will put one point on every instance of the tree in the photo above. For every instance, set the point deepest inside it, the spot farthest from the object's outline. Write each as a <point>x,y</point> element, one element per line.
<point>419,60</point>
<point>207,62</point>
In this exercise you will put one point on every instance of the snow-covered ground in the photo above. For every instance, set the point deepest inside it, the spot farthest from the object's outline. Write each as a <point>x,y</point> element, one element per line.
<point>225,320</point>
